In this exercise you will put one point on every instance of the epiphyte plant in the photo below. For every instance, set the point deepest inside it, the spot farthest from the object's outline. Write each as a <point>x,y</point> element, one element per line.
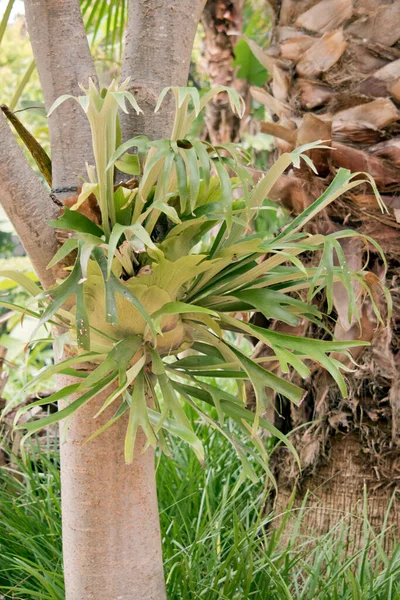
<point>155,278</point>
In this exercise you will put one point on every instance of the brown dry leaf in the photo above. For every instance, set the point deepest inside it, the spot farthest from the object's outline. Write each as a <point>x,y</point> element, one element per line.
<point>353,252</point>
<point>380,26</point>
<point>355,133</point>
<point>385,232</point>
<point>294,48</point>
<point>291,9</point>
<point>377,114</point>
<point>365,6</point>
<point>384,173</point>
<point>280,84</point>
<point>363,60</point>
<point>283,146</point>
<point>369,201</point>
<point>368,328</point>
<point>395,90</point>
<point>387,53</point>
<point>313,93</point>
<point>390,150</point>
<point>287,33</point>
<point>296,194</point>
<point>265,57</point>
<point>89,208</point>
<point>326,15</point>
<point>378,83</point>
<point>277,130</point>
<point>313,129</point>
<point>274,106</point>
<point>322,55</point>
<point>290,191</point>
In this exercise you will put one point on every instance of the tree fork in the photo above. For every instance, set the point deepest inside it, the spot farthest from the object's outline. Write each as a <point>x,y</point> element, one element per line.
<point>111,536</point>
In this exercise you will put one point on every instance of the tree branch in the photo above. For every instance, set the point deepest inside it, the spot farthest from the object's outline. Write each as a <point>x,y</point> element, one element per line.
<point>27,204</point>
<point>63,61</point>
<point>158,45</point>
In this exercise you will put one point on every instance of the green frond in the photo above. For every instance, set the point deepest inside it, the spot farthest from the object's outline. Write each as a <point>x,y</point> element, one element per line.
<point>156,291</point>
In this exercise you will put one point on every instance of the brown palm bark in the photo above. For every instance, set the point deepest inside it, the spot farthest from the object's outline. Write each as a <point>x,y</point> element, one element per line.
<point>222,24</point>
<point>335,75</point>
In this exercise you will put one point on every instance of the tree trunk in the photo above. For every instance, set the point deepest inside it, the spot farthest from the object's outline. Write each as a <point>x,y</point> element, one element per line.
<point>111,536</point>
<point>335,75</point>
<point>336,495</point>
<point>27,204</point>
<point>222,23</point>
<point>111,532</point>
<point>63,60</point>
<point>158,46</point>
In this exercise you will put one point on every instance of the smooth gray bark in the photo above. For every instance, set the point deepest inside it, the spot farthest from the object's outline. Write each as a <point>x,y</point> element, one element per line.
<point>111,532</point>
<point>158,45</point>
<point>63,61</point>
<point>27,204</point>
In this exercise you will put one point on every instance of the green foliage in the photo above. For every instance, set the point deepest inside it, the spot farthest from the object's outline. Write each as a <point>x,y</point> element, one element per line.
<point>171,262</point>
<point>7,236</point>
<point>218,544</point>
<point>20,87</point>
<point>249,67</point>
<point>40,157</point>
<point>105,24</point>
<point>30,530</point>
<point>257,21</point>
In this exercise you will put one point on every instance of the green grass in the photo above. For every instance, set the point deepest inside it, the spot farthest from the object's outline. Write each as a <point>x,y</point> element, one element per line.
<point>30,531</point>
<point>217,541</point>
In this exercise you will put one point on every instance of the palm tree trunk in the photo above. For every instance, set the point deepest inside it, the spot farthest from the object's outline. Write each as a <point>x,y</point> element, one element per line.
<point>222,24</point>
<point>341,490</point>
<point>335,76</point>
<point>111,532</point>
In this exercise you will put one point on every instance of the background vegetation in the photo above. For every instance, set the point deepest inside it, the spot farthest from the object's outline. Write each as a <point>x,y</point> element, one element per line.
<point>218,541</point>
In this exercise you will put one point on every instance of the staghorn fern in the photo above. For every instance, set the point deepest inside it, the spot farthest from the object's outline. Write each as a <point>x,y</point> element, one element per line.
<point>172,263</point>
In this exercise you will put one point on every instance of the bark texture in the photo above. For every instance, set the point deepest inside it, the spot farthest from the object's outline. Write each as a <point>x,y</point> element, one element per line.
<point>27,204</point>
<point>222,23</point>
<point>158,45</point>
<point>111,533</point>
<point>335,76</point>
<point>337,496</point>
<point>63,61</point>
